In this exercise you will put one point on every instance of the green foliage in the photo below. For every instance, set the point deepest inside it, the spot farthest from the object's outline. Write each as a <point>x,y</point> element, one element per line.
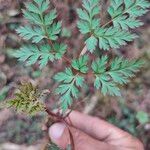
<point>124,13</point>
<point>113,37</point>
<point>142,117</point>
<point>91,43</point>
<point>54,30</point>
<point>42,5</point>
<point>27,100</point>
<point>125,23</point>
<point>43,28</point>
<point>34,13</point>
<point>68,89</point>
<point>109,76</point>
<point>88,22</point>
<point>44,53</point>
<point>45,25</point>
<point>81,64</point>
<point>44,31</point>
<point>35,33</point>
<point>49,18</point>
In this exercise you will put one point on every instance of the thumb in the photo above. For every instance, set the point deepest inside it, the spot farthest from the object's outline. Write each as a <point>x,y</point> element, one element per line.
<point>59,134</point>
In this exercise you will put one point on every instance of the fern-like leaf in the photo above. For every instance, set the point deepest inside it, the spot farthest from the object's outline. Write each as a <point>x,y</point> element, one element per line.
<point>68,89</point>
<point>126,16</point>
<point>54,30</point>
<point>122,69</point>
<point>36,34</point>
<point>91,43</point>
<point>87,16</point>
<point>88,22</point>
<point>113,37</point>
<point>108,77</point>
<point>44,24</point>
<point>49,17</point>
<point>107,86</point>
<point>45,53</point>
<point>81,64</point>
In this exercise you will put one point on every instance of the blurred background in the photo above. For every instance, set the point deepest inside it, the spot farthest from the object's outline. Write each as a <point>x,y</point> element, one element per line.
<point>131,112</point>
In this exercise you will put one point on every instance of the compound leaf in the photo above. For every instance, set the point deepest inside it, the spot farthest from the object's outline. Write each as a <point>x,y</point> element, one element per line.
<point>42,4</point>
<point>44,53</point>
<point>49,17</point>
<point>33,18</point>
<point>126,17</point>
<point>32,8</point>
<point>125,23</point>
<point>122,69</point>
<point>28,33</point>
<point>68,88</point>
<point>91,43</point>
<point>81,64</point>
<point>87,16</point>
<point>106,85</point>
<point>59,50</point>
<point>83,27</point>
<point>54,30</point>
<point>113,37</point>
<point>99,65</point>
<point>108,77</point>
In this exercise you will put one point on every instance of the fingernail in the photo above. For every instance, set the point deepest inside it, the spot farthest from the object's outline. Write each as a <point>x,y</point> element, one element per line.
<point>56,130</point>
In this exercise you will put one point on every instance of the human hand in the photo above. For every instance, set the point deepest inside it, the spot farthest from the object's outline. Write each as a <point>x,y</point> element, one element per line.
<point>90,133</point>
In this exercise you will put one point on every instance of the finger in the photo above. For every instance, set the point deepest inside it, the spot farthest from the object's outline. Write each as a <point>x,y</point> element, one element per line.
<point>97,128</point>
<point>59,134</point>
<point>104,131</point>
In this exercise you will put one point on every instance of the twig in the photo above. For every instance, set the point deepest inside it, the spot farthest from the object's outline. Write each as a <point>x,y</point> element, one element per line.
<point>90,106</point>
<point>84,50</point>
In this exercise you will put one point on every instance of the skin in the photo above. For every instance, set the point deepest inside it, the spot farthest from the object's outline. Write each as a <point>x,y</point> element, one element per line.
<point>91,133</point>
